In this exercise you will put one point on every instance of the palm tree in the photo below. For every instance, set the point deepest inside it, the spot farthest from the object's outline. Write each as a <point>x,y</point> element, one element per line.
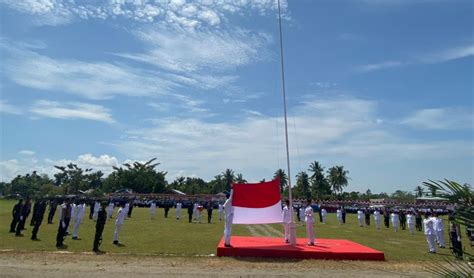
<point>319,183</point>
<point>302,185</point>
<point>280,173</point>
<point>419,192</point>
<point>229,177</point>
<point>337,178</point>
<point>240,179</point>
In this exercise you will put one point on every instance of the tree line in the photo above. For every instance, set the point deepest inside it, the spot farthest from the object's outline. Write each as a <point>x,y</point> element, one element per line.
<point>140,177</point>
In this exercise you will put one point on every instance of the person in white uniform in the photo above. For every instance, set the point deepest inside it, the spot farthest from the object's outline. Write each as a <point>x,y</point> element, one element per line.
<point>301,211</point>
<point>429,233</point>
<point>178,210</point>
<point>121,214</point>
<point>378,219</point>
<point>221,211</point>
<point>229,218</point>
<point>110,209</point>
<point>394,219</point>
<point>286,218</point>
<point>439,230</point>
<point>78,215</point>
<point>324,215</point>
<point>96,210</point>
<point>309,219</point>
<point>339,216</point>
<point>360,217</point>
<point>152,210</point>
<point>411,223</point>
<point>195,213</point>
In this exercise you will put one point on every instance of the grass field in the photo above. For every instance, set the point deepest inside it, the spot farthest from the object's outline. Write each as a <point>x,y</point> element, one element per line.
<point>167,236</point>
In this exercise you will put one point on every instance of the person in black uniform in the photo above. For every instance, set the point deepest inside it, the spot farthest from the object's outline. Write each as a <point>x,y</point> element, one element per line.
<point>190,211</point>
<point>386,218</point>
<point>99,227</point>
<point>167,206</point>
<point>209,212</point>
<point>343,211</point>
<point>367,217</point>
<point>62,224</point>
<point>52,210</point>
<point>25,211</point>
<point>92,204</point>
<point>403,220</point>
<point>130,208</point>
<point>35,207</point>
<point>418,221</point>
<point>37,218</point>
<point>16,213</point>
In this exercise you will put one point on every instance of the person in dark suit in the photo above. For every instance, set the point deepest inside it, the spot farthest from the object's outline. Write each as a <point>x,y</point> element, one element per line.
<point>37,218</point>
<point>25,211</point>
<point>91,213</point>
<point>418,221</point>
<point>190,211</point>
<point>52,210</point>
<point>343,210</point>
<point>386,218</point>
<point>99,227</point>
<point>62,224</point>
<point>209,212</point>
<point>16,213</point>
<point>367,216</point>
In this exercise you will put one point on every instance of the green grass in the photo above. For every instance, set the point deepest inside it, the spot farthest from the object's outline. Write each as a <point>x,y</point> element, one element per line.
<point>140,235</point>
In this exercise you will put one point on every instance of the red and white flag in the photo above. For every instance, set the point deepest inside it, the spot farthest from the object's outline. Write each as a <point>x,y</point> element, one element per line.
<point>257,203</point>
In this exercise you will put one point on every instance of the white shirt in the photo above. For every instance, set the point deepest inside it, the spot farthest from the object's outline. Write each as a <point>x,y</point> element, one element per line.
<point>360,214</point>
<point>323,212</point>
<point>338,213</point>
<point>152,206</point>
<point>438,224</point>
<point>96,207</point>
<point>428,225</point>
<point>410,219</point>
<point>394,218</point>
<point>377,215</point>
<point>228,207</point>
<point>308,213</point>
<point>120,216</point>
<point>286,217</point>
<point>221,207</point>
<point>178,206</point>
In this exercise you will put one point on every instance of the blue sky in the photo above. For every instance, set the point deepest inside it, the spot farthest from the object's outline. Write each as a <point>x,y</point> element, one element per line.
<point>384,88</point>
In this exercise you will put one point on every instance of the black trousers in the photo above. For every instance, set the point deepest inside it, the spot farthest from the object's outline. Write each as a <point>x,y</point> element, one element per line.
<point>67,220</point>
<point>20,226</point>
<point>98,237</point>
<point>60,236</point>
<point>166,212</point>
<point>15,221</point>
<point>51,216</point>
<point>367,221</point>
<point>34,233</point>
<point>190,217</point>
<point>209,216</point>
<point>386,222</point>
<point>344,217</point>
<point>418,224</point>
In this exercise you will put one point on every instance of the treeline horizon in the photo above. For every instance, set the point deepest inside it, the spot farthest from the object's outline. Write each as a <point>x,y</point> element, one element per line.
<point>315,183</point>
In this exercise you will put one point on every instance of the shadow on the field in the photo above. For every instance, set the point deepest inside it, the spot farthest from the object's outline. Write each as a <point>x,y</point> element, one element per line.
<point>267,260</point>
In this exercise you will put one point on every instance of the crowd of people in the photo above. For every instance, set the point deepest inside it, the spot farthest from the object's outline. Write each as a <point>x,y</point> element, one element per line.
<point>73,210</point>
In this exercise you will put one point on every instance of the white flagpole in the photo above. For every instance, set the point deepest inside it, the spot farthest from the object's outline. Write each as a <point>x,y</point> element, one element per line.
<point>292,224</point>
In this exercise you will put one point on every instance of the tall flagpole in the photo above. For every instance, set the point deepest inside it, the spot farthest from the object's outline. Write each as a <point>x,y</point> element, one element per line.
<point>292,224</point>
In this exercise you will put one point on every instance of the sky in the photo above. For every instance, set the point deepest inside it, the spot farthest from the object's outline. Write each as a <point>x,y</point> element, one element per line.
<point>383,87</point>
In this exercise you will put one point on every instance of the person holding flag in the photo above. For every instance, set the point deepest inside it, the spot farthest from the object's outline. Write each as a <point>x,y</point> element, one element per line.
<point>286,220</point>
<point>309,219</point>
<point>229,217</point>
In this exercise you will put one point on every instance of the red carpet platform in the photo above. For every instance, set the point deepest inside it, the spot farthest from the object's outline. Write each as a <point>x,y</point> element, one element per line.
<point>329,249</point>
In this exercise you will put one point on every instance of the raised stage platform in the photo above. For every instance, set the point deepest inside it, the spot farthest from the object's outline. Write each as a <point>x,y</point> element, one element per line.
<point>326,249</point>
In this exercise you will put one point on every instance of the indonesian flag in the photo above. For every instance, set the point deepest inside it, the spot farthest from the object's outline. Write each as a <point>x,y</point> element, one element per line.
<point>257,203</point>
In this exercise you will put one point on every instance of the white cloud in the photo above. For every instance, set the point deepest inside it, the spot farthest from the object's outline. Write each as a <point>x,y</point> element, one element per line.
<point>430,58</point>
<point>189,51</point>
<point>180,13</point>
<point>322,129</point>
<point>92,80</point>
<point>71,110</point>
<point>26,152</point>
<point>5,107</point>
<point>13,167</point>
<point>441,118</point>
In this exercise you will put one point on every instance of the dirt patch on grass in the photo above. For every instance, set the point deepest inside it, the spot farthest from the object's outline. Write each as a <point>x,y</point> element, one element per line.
<point>55,264</point>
